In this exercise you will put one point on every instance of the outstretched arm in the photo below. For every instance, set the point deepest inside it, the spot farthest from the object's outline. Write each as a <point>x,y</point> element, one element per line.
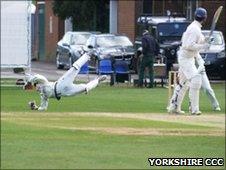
<point>44,102</point>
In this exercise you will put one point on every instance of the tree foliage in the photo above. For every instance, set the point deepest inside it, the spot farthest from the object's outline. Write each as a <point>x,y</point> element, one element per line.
<point>87,15</point>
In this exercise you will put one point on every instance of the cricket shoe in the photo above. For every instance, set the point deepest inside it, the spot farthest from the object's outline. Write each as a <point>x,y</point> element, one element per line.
<point>102,78</point>
<point>196,113</point>
<point>172,110</point>
<point>217,108</point>
<point>177,112</point>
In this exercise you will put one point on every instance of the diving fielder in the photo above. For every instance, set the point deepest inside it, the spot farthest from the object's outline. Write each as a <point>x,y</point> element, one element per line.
<point>189,75</point>
<point>64,86</point>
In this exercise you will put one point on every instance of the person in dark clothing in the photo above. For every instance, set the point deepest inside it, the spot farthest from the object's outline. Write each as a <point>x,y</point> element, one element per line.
<point>150,48</point>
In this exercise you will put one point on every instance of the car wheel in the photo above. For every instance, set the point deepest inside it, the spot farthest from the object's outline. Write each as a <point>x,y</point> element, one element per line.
<point>59,66</point>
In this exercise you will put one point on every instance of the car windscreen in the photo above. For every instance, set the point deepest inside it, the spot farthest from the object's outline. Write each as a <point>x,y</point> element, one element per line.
<point>110,41</point>
<point>79,39</point>
<point>217,38</point>
<point>171,29</point>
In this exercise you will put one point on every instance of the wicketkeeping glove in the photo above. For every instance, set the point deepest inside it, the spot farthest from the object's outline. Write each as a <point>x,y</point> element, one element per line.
<point>33,105</point>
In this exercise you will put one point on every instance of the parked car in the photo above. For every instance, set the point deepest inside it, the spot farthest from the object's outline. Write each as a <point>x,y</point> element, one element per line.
<point>167,30</point>
<point>214,57</point>
<point>116,47</point>
<point>70,48</point>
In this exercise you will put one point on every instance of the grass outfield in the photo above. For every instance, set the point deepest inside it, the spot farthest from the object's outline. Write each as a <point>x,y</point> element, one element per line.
<point>112,127</point>
<point>107,99</point>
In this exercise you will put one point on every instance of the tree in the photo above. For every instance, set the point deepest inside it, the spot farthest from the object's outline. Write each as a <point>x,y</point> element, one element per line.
<point>87,15</point>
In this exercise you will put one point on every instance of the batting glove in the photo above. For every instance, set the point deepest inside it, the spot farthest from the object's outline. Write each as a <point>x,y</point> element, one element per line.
<point>201,69</point>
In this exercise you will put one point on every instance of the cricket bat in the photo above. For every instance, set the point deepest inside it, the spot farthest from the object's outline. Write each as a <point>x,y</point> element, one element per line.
<point>214,21</point>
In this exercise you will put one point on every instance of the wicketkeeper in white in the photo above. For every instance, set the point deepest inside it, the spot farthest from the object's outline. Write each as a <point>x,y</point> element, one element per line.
<point>206,87</point>
<point>64,86</point>
<point>192,42</point>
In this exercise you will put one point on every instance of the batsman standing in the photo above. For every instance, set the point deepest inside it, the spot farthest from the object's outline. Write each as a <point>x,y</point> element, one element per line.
<point>64,86</point>
<point>192,42</point>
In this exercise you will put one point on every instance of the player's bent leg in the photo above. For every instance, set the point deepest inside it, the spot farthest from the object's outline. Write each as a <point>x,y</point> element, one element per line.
<point>92,84</point>
<point>210,93</point>
<point>70,75</point>
<point>195,85</point>
<point>67,78</point>
<point>178,96</point>
<point>184,87</point>
<point>75,89</point>
<point>81,61</point>
<point>102,78</point>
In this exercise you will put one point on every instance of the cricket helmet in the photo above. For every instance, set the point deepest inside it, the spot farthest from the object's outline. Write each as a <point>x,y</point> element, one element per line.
<point>200,14</point>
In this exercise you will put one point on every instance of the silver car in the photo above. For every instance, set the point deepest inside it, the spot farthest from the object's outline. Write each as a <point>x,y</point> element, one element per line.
<point>113,46</point>
<point>214,57</point>
<point>70,48</point>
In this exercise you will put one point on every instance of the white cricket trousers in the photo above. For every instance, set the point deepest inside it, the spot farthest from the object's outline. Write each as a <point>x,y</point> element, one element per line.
<point>209,91</point>
<point>65,85</point>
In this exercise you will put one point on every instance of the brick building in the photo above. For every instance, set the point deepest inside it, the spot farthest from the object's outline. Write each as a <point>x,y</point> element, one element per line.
<point>122,19</point>
<point>49,30</point>
<point>128,12</point>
